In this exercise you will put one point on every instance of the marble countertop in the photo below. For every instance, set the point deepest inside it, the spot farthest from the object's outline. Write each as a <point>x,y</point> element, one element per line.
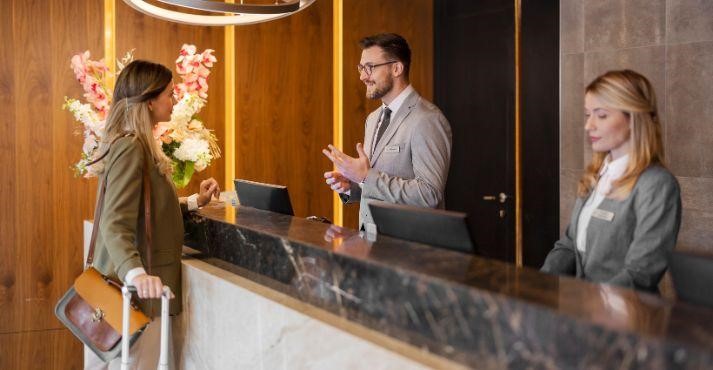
<point>472,310</point>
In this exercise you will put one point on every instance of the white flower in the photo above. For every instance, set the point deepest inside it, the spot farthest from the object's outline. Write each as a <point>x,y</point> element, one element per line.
<point>90,143</point>
<point>192,150</point>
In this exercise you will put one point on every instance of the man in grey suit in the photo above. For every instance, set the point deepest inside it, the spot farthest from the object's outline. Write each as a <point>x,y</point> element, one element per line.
<point>407,141</point>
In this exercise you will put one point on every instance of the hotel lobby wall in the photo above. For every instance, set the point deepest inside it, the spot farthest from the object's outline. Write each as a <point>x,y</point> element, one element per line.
<point>283,105</point>
<point>670,42</point>
<point>42,202</point>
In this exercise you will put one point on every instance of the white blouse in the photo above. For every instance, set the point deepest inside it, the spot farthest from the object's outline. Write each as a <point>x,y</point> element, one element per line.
<point>610,172</point>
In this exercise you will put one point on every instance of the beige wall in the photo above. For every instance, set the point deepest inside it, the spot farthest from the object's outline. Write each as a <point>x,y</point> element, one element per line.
<point>670,42</point>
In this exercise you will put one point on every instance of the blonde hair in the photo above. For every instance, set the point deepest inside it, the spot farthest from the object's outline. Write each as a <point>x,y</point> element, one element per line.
<point>137,84</point>
<point>631,93</point>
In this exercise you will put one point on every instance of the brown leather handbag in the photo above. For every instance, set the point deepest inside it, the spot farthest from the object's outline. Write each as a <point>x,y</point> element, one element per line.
<point>92,308</point>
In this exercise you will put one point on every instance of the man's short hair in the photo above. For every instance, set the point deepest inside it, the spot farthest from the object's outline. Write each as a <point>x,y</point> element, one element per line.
<point>394,46</point>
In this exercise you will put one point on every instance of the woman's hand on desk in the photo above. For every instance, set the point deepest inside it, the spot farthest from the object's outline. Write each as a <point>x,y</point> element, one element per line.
<point>148,286</point>
<point>208,188</point>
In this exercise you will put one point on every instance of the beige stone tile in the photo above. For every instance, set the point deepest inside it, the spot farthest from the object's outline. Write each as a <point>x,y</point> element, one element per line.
<point>615,24</point>
<point>572,137</point>
<point>568,194</point>
<point>696,232</point>
<point>571,26</point>
<point>689,21</point>
<point>689,133</point>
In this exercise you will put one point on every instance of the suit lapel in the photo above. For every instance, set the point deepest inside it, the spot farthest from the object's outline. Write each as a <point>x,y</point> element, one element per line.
<point>396,121</point>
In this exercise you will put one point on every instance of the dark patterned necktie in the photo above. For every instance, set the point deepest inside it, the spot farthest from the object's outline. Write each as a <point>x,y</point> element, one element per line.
<point>384,124</point>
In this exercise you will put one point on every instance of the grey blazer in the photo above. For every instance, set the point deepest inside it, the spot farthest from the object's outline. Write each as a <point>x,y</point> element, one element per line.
<point>410,163</point>
<point>630,242</point>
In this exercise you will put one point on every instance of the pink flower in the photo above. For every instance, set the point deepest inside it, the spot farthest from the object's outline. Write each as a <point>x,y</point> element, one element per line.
<point>207,57</point>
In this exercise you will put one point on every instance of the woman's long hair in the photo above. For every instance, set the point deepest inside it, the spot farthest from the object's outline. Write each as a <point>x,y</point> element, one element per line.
<point>138,82</point>
<point>631,93</point>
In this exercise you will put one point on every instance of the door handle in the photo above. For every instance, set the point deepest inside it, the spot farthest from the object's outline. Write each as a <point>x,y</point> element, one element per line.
<point>502,197</point>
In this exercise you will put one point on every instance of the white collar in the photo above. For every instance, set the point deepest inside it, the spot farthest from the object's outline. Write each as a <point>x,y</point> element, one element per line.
<point>614,169</point>
<point>610,172</point>
<point>396,103</point>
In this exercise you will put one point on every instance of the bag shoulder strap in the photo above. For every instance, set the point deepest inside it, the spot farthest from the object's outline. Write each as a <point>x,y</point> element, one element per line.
<point>146,186</point>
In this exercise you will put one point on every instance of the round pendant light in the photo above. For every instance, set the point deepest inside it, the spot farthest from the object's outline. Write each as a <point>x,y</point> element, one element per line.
<point>238,13</point>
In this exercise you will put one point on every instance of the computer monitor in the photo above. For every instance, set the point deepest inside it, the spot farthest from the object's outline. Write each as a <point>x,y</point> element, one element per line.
<point>692,274</point>
<point>267,197</point>
<point>435,227</point>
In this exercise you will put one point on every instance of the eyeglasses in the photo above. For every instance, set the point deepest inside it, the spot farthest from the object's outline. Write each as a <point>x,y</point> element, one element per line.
<point>368,67</point>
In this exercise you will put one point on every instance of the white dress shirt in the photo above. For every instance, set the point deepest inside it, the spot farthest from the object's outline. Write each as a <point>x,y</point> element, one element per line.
<point>610,172</point>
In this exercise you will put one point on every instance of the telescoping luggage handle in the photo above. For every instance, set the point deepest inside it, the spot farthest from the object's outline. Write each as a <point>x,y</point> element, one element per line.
<point>126,291</point>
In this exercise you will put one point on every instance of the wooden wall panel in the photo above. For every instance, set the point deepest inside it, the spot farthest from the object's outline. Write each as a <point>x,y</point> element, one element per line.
<point>159,41</point>
<point>412,19</point>
<point>43,203</point>
<point>43,350</point>
<point>284,105</point>
<point>9,278</point>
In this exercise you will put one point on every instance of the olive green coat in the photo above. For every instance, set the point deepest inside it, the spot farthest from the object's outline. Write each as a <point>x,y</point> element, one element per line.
<point>120,244</point>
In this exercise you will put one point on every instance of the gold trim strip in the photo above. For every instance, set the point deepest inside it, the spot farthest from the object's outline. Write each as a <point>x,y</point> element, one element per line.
<point>338,95</point>
<point>229,107</point>
<point>110,39</point>
<point>518,142</point>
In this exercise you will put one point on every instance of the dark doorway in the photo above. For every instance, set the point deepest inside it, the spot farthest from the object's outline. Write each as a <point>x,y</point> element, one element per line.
<point>474,45</point>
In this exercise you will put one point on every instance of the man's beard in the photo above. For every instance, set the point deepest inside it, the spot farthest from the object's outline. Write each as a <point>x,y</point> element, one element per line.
<point>380,91</point>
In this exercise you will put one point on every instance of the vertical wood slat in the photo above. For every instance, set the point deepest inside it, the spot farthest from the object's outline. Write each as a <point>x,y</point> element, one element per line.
<point>160,41</point>
<point>72,198</point>
<point>284,105</point>
<point>9,289</point>
<point>412,19</point>
<point>33,164</point>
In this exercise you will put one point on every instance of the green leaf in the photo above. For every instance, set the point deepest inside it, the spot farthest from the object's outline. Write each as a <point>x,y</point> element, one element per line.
<point>182,173</point>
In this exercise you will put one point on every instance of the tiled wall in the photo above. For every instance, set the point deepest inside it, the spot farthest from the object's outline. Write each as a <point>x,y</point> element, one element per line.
<point>670,42</point>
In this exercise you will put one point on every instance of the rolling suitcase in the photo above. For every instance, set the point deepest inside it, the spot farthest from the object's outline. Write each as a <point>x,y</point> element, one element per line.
<point>126,291</point>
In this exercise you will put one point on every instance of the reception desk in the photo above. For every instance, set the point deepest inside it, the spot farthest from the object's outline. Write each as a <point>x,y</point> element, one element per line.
<point>268,290</point>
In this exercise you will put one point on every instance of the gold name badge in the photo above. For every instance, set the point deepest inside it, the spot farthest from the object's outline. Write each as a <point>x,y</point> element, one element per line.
<point>603,215</point>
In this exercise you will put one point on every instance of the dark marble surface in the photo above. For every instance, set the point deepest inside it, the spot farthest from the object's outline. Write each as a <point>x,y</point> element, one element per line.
<point>475,311</point>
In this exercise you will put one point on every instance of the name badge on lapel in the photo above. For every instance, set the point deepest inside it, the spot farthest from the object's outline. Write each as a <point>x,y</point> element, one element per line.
<point>603,215</point>
<point>392,149</point>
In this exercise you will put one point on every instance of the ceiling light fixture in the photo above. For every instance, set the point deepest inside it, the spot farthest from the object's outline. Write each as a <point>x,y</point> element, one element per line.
<point>238,13</point>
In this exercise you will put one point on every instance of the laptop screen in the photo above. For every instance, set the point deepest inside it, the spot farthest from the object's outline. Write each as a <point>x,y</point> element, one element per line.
<point>263,196</point>
<point>435,227</point>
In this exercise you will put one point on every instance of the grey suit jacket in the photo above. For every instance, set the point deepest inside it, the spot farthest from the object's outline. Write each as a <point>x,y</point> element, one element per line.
<point>410,163</point>
<point>632,248</point>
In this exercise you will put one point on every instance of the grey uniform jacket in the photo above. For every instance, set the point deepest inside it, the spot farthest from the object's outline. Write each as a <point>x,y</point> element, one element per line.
<point>632,248</point>
<point>410,163</point>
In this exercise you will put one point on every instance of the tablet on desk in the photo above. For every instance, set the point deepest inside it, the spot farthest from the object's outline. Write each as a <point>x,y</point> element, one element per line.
<point>263,196</point>
<point>435,227</point>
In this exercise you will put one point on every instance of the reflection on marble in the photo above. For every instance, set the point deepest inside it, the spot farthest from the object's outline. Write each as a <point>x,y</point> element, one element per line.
<point>475,311</point>
<point>230,327</point>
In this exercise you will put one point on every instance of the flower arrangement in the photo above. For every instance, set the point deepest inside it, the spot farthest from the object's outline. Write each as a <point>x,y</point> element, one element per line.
<point>184,139</point>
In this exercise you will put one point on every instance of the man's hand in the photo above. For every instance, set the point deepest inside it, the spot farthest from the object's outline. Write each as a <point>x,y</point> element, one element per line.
<point>337,182</point>
<point>354,169</point>
<point>207,189</point>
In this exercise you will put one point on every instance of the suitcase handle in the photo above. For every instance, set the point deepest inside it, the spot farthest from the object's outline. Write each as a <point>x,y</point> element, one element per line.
<point>126,292</point>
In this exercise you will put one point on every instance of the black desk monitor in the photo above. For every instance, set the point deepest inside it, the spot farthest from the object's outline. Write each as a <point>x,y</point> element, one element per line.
<point>267,197</point>
<point>692,275</point>
<point>435,227</point>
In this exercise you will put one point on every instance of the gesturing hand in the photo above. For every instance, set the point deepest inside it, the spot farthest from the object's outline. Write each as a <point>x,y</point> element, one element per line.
<point>337,181</point>
<point>355,169</point>
<point>208,188</point>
